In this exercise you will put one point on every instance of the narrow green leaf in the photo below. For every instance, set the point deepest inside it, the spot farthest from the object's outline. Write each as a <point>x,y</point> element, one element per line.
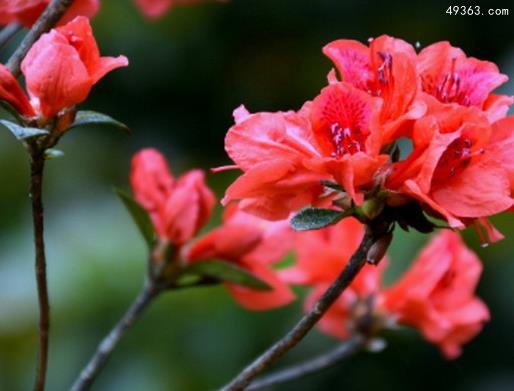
<point>92,118</point>
<point>186,279</point>
<point>52,153</point>
<point>140,217</point>
<point>226,271</point>
<point>316,218</point>
<point>22,133</point>
<point>9,109</point>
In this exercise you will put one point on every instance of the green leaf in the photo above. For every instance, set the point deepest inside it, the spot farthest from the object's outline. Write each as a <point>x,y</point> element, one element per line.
<point>22,133</point>
<point>187,279</point>
<point>52,153</point>
<point>8,108</point>
<point>316,218</point>
<point>91,118</point>
<point>226,271</point>
<point>140,217</point>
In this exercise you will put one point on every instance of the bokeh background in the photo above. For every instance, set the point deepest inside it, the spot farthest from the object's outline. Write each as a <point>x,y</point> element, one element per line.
<point>187,72</point>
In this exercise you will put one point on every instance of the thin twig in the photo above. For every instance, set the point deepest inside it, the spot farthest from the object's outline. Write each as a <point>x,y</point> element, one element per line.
<point>298,332</point>
<point>8,32</point>
<point>46,21</point>
<point>37,162</point>
<point>326,360</point>
<point>106,347</point>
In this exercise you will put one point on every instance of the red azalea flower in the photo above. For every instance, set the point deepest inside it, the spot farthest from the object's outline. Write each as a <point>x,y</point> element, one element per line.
<point>272,150</point>
<point>386,69</point>
<point>178,207</point>
<point>253,244</point>
<point>450,77</point>
<point>453,168</point>
<point>436,295</point>
<point>285,155</point>
<point>345,126</point>
<point>27,12</point>
<point>63,65</point>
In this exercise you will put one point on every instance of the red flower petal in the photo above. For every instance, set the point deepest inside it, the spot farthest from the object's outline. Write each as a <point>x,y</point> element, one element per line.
<point>12,93</point>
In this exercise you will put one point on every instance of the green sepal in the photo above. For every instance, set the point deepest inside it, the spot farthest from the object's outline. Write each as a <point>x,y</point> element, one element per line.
<point>316,218</point>
<point>140,217</point>
<point>22,133</point>
<point>93,118</point>
<point>224,272</point>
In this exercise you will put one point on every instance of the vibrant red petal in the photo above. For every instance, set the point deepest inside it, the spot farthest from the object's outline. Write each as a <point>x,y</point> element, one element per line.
<point>352,60</point>
<point>55,75</point>
<point>188,207</point>
<point>481,190</point>
<point>345,121</point>
<point>452,77</point>
<point>12,93</point>
<point>257,300</point>
<point>268,136</point>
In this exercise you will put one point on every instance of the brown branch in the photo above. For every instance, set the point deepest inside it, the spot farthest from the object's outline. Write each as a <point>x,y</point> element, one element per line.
<point>300,330</point>
<point>46,21</point>
<point>326,360</point>
<point>106,347</point>
<point>37,162</point>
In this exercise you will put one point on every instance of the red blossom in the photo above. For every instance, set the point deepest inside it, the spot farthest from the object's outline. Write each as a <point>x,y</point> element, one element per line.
<point>345,126</point>
<point>452,78</point>
<point>322,254</point>
<point>437,294</point>
<point>27,12</point>
<point>285,155</point>
<point>272,149</point>
<point>386,69</point>
<point>454,170</point>
<point>253,244</point>
<point>63,65</point>
<point>178,207</point>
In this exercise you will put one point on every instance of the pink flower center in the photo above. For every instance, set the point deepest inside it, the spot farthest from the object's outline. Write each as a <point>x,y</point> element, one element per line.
<point>449,90</point>
<point>346,140</point>
<point>384,75</point>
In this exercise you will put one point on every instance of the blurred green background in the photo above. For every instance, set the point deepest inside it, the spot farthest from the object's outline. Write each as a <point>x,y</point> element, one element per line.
<point>187,73</point>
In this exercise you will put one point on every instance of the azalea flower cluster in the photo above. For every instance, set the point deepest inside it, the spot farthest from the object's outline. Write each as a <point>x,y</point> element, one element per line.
<point>435,109</point>
<point>436,295</point>
<point>343,150</point>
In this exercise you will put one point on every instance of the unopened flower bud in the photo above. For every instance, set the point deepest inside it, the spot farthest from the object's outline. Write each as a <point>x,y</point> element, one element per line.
<point>379,248</point>
<point>371,208</point>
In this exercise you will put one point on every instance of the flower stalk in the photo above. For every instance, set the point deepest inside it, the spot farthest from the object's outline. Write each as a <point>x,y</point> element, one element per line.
<point>313,365</point>
<point>374,231</point>
<point>37,162</point>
